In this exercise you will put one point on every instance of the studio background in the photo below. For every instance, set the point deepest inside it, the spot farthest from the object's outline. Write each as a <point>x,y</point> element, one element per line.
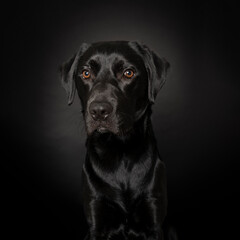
<point>196,115</point>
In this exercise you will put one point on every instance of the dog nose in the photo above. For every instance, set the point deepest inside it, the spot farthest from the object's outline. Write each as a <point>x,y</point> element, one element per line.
<point>100,110</point>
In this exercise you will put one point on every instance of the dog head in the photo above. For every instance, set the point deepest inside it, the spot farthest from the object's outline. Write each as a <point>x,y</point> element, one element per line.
<point>115,81</point>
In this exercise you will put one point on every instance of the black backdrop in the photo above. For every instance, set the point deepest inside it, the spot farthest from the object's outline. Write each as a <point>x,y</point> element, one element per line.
<point>196,115</point>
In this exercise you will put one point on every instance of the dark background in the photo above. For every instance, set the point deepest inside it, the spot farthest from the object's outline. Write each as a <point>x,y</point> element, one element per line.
<point>196,115</point>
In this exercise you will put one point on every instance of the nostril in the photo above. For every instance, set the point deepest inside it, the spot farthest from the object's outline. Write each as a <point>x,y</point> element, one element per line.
<point>94,112</point>
<point>103,112</point>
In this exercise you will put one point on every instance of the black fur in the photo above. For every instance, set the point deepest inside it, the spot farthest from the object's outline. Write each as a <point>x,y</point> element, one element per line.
<point>124,181</point>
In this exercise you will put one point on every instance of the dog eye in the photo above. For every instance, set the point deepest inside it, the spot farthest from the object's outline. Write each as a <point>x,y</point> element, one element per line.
<point>128,73</point>
<point>86,74</point>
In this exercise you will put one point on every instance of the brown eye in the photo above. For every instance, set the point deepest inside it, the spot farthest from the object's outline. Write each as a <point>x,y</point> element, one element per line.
<point>128,73</point>
<point>86,74</point>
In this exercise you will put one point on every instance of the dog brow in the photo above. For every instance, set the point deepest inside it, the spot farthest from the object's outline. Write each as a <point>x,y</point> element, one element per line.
<point>118,66</point>
<point>95,66</point>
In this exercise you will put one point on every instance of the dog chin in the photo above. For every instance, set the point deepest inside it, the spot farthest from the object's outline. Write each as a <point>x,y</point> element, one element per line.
<point>100,130</point>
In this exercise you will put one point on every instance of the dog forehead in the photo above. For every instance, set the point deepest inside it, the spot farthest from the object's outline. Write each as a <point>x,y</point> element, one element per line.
<point>106,59</point>
<point>109,53</point>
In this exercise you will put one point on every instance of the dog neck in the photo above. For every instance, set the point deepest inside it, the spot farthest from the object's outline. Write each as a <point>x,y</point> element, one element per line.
<point>108,148</point>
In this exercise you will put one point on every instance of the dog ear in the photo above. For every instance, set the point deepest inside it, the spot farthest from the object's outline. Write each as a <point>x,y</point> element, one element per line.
<point>68,71</point>
<point>157,69</point>
<point>159,77</point>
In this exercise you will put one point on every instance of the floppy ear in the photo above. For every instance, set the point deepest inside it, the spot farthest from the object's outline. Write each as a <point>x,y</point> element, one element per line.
<point>68,70</point>
<point>156,67</point>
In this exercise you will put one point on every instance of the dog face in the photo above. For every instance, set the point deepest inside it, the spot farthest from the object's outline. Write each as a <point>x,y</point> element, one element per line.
<point>115,81</point>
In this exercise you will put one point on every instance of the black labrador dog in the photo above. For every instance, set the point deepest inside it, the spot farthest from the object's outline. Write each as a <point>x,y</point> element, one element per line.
<point>124,181</point>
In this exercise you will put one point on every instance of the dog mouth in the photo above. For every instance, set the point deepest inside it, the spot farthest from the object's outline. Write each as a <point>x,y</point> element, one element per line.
<point>102,129</point>
<point>110,125</point>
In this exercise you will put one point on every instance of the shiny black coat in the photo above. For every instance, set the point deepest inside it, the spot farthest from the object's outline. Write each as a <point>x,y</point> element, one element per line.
<point>124,185</point>
<point>124,181</point>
